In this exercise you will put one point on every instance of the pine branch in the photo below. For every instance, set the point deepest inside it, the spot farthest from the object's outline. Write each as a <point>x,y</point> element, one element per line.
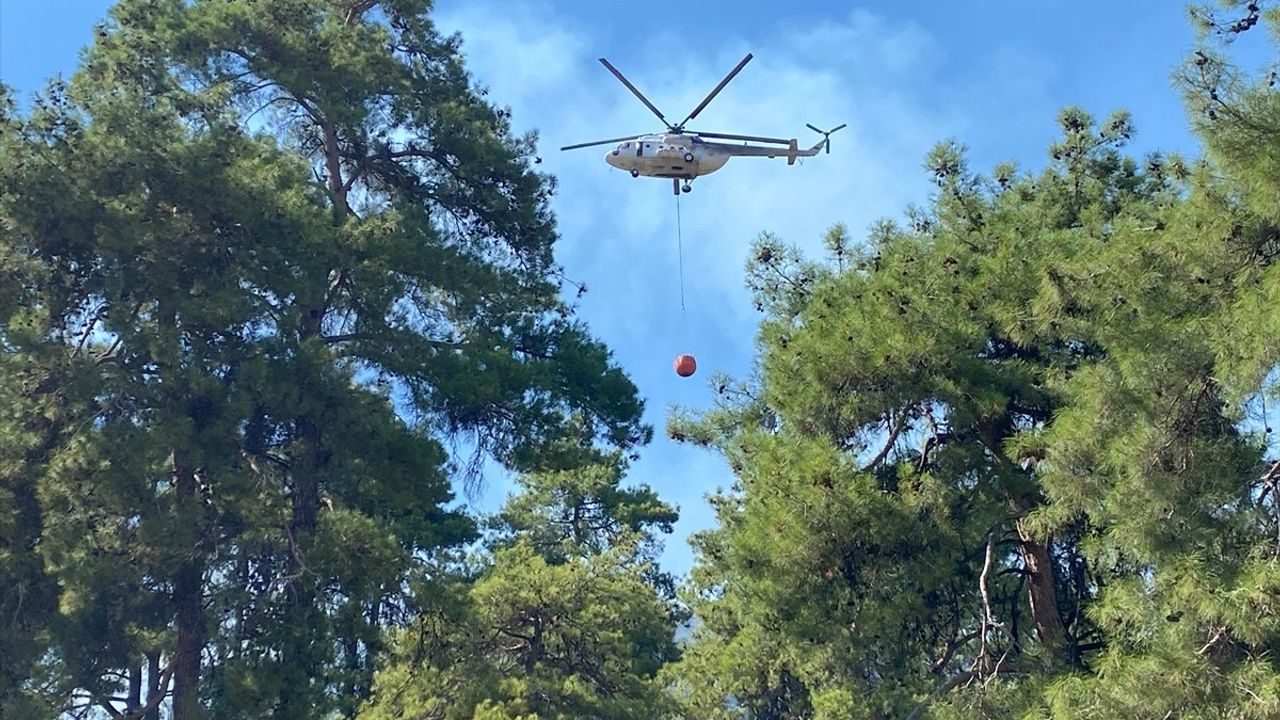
<point>936,438</point>
<point>1218,635</point>
<point>371,337</point>
<point>358,9</point>
<point>988,622</point>
<point>1271,475</point>
<point>952,648</point>
<point>110,354</point>
<point>1271,479</point>
<point>105,704</point>
<point>89,326</point>
<point>894,431</point>
<point>952,683</point>
<point>153,700</point>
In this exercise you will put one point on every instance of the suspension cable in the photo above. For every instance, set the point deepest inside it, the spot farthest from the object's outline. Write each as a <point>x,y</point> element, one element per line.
<point>680,254</point>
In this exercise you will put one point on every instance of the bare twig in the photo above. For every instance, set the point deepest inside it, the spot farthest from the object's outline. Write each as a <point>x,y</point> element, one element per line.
<point>989,623</point>
<point>88,330</point>
<point>358,9</point>
<point>951,683</point>
<point>109,354</point>
<point>996,670</point>
<point>1218,634</point>
<point>952,648</point>
<point>1273,474</point>
<point>895,430</point>
<point>934,439</point>
<point>1271,479</point>
<point>153,699</point>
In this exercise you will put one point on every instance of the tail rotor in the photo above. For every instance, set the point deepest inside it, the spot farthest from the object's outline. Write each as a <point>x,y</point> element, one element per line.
<point>826,134</point>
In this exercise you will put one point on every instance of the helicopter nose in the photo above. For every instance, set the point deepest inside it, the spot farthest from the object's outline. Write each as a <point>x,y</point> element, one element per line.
<point>611,157</point>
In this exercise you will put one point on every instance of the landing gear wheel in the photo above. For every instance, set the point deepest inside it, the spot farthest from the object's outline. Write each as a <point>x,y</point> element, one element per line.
<point>686,188</point>
<point>635,172</point>
<point>688,157</point>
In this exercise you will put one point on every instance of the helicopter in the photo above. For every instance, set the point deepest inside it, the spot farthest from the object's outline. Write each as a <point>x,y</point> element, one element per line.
<point>681,154</point>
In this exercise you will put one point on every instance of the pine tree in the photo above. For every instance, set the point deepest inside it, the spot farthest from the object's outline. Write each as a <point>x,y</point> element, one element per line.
<point>566,617</point>
<point>1194,508</point>
<point>262,264</point>
<point>998,462</point>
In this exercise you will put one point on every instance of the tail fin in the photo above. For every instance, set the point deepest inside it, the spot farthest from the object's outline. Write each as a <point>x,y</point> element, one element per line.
<point>791,152</point>
<point>826,136</point>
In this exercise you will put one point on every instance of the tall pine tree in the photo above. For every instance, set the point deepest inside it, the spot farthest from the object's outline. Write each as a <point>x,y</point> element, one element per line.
<point>566,616</point>
<point>1000,459</point>
<point>261,263</point>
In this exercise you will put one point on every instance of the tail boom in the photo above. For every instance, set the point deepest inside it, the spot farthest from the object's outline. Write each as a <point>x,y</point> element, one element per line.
<point>794,152</point>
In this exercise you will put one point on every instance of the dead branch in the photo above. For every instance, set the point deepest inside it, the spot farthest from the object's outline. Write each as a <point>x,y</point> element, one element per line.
<point>153,699</point>
<point>89,326</point>
<point>950,684</point>
<point>1218,634</point>
<point>1271,475</point>
<point>895,430</point>
<point>358,10</point>
<point>989,623</point>
<point>952,648</point>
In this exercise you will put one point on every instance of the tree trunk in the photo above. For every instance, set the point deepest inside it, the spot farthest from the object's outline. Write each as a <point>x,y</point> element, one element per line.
<point>1042,591</point>
<point>187,604</point>
<point>153,685</point>
<point>298,657</point>
<point>134,701</point>
<point>302,656</point>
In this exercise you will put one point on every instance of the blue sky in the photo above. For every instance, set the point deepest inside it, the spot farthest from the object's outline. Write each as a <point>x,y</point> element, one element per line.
<point>991,74</point>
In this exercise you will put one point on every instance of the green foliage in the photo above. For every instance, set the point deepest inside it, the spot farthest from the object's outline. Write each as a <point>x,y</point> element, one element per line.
<point>564,513</point>
<point>260,262</point>
<point>575,639</point>
<point>568,618</point>
<point>999,462</point>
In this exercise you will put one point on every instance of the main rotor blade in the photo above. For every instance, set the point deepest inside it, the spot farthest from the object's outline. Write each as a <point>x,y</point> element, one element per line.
<point>600,142</point>
<point>718,88</point>
<point>752,138</point>
<point>636,92</point>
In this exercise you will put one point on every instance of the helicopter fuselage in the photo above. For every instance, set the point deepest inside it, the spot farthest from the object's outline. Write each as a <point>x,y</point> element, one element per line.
<point>668,156</point>
<point>682,154</point>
